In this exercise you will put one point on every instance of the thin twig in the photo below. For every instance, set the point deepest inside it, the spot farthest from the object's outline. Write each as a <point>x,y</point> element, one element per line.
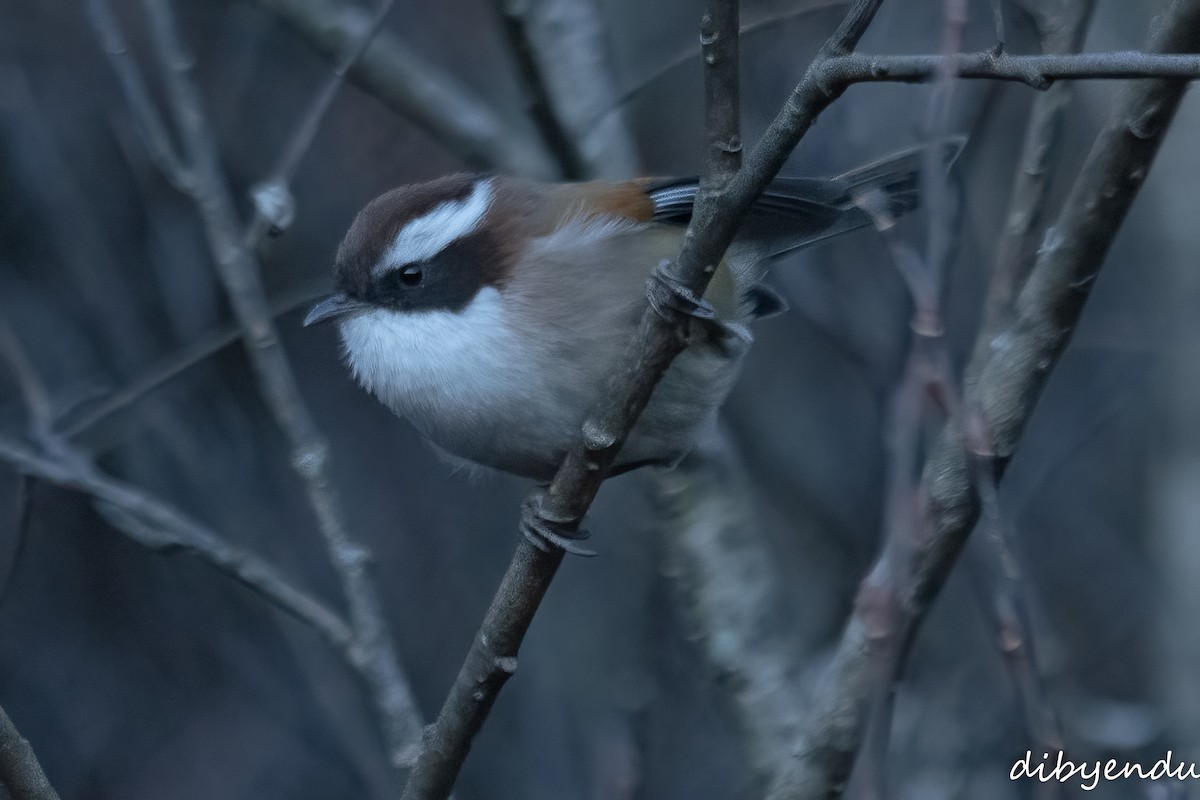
<point>174,364</point>
<point>1009,384</point>
<point>691,53</point>
<point>20,771</point>
<point>416,89</point>
<point>145,518</point>
<point>492,657</point>
<point>150,124</point>
<point>160,526</point>
<point>274,207</point>
<point>374,652</point>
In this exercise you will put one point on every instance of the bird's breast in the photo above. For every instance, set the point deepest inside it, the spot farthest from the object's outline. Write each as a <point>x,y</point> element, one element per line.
<point>439,367</point>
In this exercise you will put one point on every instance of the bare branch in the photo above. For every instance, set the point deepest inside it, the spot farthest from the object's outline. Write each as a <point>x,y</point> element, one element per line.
<point>1060,33</point>
<point>1003,590</point>
<point>20,771</point>
<point>1019,361</point>
<point>800,8</point>
<point>492,658</point>
<point>1040,72</point>
<point>538,104</point>
<point>416,89</point>
<point>719,36</point>
<point>274,207</point>
<point>150,124</point>
<point>176,363</point>
<point>373,649</point>
<point>562,56</point>
<point>160,526</point>
<point>727,581</point>
<point>33,392</point>
<point>145,518</point>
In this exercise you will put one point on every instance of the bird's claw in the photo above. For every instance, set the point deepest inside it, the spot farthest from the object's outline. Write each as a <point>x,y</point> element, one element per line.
<point>670,298</point>
<point>546,534</point>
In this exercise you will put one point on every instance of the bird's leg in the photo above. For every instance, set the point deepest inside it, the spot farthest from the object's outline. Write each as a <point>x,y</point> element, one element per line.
<point>545,532</point>
<point>670,298</point>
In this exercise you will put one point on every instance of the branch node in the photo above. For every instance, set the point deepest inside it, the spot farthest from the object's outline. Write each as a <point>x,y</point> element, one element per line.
<point>310,461</point>
<point>274,202</point>
<point>597,437</point>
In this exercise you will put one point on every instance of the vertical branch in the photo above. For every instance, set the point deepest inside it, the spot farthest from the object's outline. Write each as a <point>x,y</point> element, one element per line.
<point>561,53</point>
<point>373,651</point>
<point>730,587</point>
<point>1020,359</point>
<point>926,377</point>
<point>20,771</point>
<point>722,96</point>
<point>1062,27</point>
<point>492,658</point>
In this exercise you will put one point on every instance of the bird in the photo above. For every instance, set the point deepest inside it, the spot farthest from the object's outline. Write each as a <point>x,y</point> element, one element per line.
<point>489,310</point>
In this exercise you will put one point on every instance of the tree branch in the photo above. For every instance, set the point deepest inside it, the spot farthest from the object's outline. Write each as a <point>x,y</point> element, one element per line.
<point>1061,33</point>
<point>1039,71</point>
<point>20,771</point>
<point>492,657</point>
<point>729,587</point>
<point>274,207</point>
<point>145,518</point>
<point>160,526</point>
<point>415,89</point>
<point>1019,361</point>
<point>1001,586</point>
<point>373,649</point>
<point>562,57</point>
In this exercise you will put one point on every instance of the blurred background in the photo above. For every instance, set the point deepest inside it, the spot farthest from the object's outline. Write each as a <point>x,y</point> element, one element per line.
<point>144,674</point>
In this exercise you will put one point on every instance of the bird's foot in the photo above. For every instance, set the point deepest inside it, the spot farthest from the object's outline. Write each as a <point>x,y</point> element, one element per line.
<point>546,533</point>
<point>670,298</point>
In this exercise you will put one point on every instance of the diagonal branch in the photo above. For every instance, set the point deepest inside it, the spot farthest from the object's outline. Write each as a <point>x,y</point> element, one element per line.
<point>144,517</point>
<point>416,89</point>
<point>560,49</point>
<point>1061,33</point>
<point>719,209</point>
<point>160,526</point>
<point>1018,364</point>
<point>274,207</point>
<point>20,771</point>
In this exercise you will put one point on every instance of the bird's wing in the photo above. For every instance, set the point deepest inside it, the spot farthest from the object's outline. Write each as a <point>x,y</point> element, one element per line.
<point>796,212</point>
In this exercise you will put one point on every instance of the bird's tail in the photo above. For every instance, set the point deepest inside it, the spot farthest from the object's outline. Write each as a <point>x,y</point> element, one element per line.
<point>797,212</point>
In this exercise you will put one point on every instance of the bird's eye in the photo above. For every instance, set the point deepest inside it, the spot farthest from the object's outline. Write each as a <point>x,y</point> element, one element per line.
<point>410,275</point>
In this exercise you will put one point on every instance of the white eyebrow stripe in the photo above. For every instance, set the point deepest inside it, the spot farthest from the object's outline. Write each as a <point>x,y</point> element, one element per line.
<point>427,235</point>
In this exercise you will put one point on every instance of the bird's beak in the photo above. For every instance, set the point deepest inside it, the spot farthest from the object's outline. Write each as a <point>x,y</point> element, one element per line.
<point>336,305</point>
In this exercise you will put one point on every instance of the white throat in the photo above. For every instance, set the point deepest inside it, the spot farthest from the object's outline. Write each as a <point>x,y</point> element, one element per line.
<point>443,365</point>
